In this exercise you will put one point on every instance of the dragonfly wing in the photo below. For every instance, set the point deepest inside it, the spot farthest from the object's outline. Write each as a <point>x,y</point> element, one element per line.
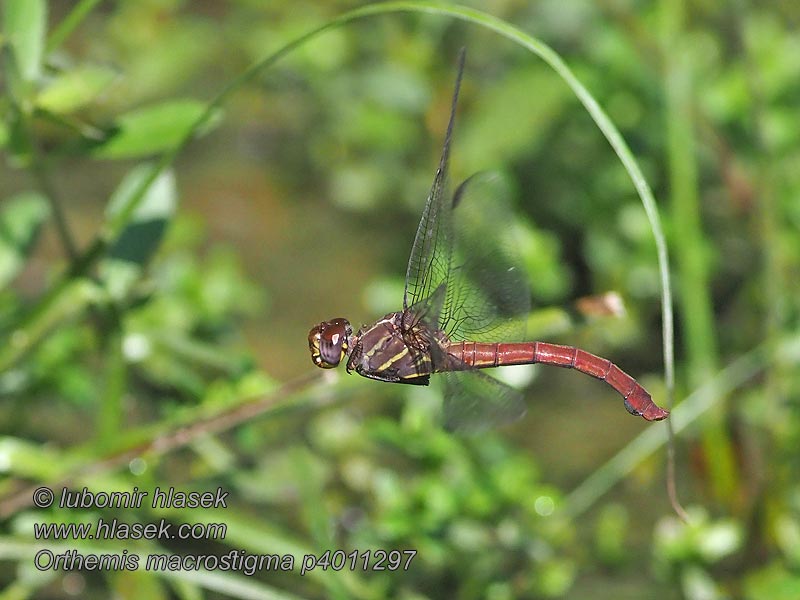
<point>426,310</point>
<point>429,263</point>
<point>475,402</point>
<point>466,287</point>
<point>488,296</point>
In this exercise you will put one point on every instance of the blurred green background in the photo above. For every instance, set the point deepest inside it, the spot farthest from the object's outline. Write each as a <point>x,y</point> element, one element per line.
<point>166,345</point>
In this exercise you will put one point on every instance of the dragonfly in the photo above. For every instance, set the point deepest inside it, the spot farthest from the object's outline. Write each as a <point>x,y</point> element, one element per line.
<point>464,305</point>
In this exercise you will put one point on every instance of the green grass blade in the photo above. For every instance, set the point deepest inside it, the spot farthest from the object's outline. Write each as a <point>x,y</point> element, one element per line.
<point>24,23</point>
<point>698,403</point>
<point>70,23</point>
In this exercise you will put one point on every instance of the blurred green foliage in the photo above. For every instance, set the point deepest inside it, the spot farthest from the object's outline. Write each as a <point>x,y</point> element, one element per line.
<point>149,303</point>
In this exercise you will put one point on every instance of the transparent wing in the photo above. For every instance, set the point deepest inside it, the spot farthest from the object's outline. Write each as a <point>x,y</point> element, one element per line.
<point>488,296</point>
<point>429,263</point>
<point>475,402</point>
<point>463,278</point>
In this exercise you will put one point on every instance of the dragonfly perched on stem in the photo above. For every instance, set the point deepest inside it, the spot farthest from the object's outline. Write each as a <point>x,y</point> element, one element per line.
<point>463,309</point>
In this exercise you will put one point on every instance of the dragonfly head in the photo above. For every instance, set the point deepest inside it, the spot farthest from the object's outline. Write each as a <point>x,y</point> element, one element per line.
<point>329,342</point>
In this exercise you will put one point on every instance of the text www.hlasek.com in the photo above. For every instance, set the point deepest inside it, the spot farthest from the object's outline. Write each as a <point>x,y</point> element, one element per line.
<point>240,560</point>
<point>119,530</point>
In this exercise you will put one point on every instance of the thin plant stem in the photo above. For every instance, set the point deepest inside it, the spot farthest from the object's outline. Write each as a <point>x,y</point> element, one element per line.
<point>75,17</point>
<point>691,253</point>
<point>115,378</point>
<point>672,488</point>
<point>42,176</point>
<point>776,291</point>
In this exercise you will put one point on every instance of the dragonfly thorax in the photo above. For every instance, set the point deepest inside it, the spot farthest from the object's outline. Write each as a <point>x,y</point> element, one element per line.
<point>329,342</point>
<point>396,348</point>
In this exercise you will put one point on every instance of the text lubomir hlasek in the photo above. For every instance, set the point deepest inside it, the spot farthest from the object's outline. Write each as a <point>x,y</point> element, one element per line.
<point>167,498</point>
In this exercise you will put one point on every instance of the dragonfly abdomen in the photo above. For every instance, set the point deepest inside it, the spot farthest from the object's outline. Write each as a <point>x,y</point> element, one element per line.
<point>481,355</point>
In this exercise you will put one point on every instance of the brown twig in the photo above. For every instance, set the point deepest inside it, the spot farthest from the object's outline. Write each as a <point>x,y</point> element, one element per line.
<point>164,443</point>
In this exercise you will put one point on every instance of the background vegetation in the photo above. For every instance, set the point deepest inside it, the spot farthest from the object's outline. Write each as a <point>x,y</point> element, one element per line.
<point>155,294</point>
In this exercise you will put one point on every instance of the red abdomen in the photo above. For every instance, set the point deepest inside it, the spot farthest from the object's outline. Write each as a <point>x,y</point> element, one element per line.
<point>481,355</point>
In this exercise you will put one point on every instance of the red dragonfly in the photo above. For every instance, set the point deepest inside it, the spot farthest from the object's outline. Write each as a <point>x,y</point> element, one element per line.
<point>463,293</point>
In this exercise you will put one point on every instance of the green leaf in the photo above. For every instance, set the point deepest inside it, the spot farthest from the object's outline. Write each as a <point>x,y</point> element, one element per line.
<point>155,128</point>
<point>20,220</point>
<point>25,458</point>
<point>24,23</point>
<point>773,582</point>
<point>511,120</point>
<point>143,234</point>
<point>74,89</point>
<point>72,298</point>
<point>159,201</point>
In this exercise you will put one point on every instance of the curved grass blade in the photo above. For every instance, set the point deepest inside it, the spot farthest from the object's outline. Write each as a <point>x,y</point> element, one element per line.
<point>24,23</point>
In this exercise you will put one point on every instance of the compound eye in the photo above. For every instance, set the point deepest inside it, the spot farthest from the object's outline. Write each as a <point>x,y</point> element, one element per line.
<point>329,342</point>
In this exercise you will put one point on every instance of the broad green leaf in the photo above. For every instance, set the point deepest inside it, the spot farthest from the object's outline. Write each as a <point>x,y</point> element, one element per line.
<point>73,297</point>
<point>773,582</point>
<point>155,128</point>
<point>511,119</point>
<point>20,221</point>
<point>24,23</point>
<point>141,237</point>
<point>146,584</point>
<point>25,458</point>
<point>74,89</point>
<point>159,200</point>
